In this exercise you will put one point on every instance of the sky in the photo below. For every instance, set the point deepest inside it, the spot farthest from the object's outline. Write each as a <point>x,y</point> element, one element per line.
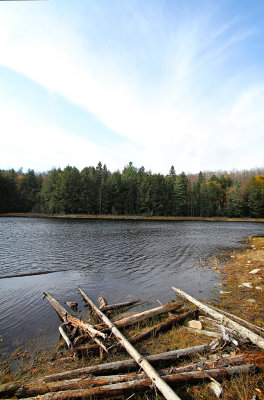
<point>155,82</point>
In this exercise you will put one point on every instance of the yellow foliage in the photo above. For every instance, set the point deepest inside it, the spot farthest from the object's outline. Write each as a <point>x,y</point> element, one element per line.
<point>260,179</point>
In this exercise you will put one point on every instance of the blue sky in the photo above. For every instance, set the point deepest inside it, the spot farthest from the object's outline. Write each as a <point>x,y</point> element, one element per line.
<point>155,82</point>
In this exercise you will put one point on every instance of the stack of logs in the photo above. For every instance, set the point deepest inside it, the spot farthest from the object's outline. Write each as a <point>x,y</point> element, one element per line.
<point>115,379</point>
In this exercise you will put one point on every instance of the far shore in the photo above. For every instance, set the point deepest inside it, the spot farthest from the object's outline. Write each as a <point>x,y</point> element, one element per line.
<point>130,217</point>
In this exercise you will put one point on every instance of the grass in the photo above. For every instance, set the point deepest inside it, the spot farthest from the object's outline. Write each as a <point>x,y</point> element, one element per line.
<point>235,270</point>
<point>130,217</point>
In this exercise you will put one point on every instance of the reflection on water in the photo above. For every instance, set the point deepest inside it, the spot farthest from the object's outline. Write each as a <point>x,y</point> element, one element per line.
<point>114,259</point>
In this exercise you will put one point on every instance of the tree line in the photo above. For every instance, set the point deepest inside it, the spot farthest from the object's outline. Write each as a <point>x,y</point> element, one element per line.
<point>133,191</point>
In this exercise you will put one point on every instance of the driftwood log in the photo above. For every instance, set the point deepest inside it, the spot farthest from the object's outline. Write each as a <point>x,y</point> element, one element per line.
<point>65,316</point>
<point>60,310</point>
<point>121,388</point>
<point>104,306</point>
<point>133,319</point>
<point>256,329</point>
<point>154,330</point>
<point>9,389</point>
<point>202,332</point>
<point>38,388</point>
<point>65,336</point>
<point>164,388</point>
<point>244,332</point>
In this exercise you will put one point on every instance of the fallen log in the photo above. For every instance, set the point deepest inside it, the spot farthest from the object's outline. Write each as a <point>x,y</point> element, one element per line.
<point>174,319</point>
<point>121,388</point>
<point>133,319</point>
<point>164,388</point>
<point>65,337</point>
<point>85,327</point>
<point>126,365</point>
<point>203,332</point>
<point>244,332</point>
<point>37,388</point>
<point>104,306</point>
<point>60,310</point>
<point>8,389</point>
<point>256,329</point>
<point>67,317</point>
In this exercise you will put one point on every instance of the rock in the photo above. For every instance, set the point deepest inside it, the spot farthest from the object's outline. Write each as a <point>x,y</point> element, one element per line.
<point>259,287</point>
<point>195,324</point>
<point>223,292</point>
<point>254,271</point>
<point>251,300</point>
<point>247,285</point>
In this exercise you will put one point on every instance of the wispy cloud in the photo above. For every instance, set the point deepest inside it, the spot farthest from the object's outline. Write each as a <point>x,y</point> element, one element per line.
<point>174,91</point>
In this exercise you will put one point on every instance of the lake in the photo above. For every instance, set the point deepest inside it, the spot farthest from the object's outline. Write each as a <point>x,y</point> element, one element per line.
<point>113,259</point>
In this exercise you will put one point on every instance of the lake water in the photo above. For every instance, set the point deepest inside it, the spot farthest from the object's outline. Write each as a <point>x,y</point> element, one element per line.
<point>113,259</point>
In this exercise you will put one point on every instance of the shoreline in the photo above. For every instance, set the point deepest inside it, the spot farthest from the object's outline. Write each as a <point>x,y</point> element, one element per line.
<point>129,217</point>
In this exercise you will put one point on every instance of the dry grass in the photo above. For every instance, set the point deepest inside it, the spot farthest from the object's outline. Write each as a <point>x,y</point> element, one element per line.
<point>131,217</point>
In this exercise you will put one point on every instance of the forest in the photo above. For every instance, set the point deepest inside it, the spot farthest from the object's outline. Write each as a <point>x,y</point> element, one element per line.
<point>134,191</point>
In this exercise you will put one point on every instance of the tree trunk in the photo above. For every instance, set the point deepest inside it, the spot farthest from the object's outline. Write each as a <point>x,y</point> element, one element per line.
<point>244,332</point>
<point>165,389</point>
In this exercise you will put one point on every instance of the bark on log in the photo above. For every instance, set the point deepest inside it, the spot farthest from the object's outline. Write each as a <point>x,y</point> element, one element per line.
<point>244,332</point>
<point>133,319</point>
<point>117,389</point>
<point>8,389</point>
<point>34,389</point>
<point>163,387</point>
<point>174,319</point>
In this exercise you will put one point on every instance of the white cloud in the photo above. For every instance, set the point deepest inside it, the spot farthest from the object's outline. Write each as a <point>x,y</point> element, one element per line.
<point>181,120</point>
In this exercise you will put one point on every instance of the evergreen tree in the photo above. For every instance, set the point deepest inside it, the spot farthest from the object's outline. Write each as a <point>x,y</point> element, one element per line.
<point>129,183</point>
<point>255,189</point>
<point>70,190</point>
<point>51,201</point>
<point>234,201</point>
<point>29,189</point>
